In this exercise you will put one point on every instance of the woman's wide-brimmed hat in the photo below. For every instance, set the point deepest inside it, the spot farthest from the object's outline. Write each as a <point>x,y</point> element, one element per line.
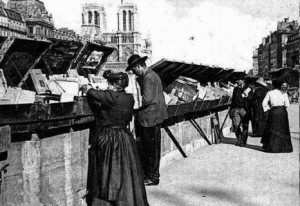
<point>261,81</point>
<point>134,60</point>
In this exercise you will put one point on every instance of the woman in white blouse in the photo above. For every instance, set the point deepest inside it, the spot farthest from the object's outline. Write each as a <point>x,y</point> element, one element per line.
<point>277,137</point>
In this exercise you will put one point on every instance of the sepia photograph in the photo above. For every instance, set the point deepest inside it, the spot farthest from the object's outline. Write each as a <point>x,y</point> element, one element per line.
<point>149,102</point>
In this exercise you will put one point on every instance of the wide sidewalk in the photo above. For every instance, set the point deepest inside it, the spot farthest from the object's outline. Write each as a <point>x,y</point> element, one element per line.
<point>225,174</point>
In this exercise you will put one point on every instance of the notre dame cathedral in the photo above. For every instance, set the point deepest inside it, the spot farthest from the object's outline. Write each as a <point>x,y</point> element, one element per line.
<point>126,39</point>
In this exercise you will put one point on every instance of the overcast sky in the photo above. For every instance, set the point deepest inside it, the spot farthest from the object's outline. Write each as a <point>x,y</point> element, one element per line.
<point>212,32</point>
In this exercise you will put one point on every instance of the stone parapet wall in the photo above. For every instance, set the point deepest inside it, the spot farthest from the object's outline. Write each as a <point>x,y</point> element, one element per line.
<point>53,170</point>
<point>50,171</point>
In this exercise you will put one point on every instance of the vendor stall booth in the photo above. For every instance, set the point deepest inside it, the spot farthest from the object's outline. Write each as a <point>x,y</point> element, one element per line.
<point>198,106</point>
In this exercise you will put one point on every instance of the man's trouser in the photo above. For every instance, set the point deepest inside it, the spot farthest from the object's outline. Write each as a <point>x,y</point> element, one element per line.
<point>240,118</point>
<point>149,145</point>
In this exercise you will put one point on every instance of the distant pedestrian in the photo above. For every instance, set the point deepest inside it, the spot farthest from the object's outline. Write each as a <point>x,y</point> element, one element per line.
<point>115,176</point>
<point>259,116</point>
<point>277,137</point>
<point>150,117</point>
<point>240,111</point>
<point>284,87</point>
<point>268,81</point>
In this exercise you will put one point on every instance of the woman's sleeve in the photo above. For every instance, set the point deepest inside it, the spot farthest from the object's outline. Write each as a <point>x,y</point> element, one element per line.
<point>265,103</point>
<point>99,96</point>
<point>286,100</point>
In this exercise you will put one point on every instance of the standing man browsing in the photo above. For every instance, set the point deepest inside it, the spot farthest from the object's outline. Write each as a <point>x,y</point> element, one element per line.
<point>240,111</point>
<point>150,117</point>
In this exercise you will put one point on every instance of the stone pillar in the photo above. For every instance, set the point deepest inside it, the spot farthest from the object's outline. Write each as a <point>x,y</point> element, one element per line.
<point>118,21</point>
<point>120,49</point>
<point>67,140</point>
<point>31,174</point>
<point>101,18</point>
<point>86,16</point>
<point>133,21</point>
<point>104,21</point>
<point>121,20</point>
<point>93,17</point>
<point>135,17</point>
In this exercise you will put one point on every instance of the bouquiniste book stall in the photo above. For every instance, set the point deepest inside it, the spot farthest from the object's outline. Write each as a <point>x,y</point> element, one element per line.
<point>196,90</point>
<point>26,63</point>
<point>40,105</point>
<point>45,120</point>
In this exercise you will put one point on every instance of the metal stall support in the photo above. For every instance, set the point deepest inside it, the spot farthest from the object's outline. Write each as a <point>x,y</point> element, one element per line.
<point>198,128</point>
<point>174,141</point>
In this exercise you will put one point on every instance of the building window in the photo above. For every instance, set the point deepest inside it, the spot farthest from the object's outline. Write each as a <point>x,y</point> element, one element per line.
<point>124,20</point>
<point>96,16</point>
<point>31,30</point>
<point>90,17</point>
<point>82,18</point>
<point>38,31</point>
<point>130,20</point>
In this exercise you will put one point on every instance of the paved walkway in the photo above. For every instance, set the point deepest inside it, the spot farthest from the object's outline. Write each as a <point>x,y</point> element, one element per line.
<point>225,174</point>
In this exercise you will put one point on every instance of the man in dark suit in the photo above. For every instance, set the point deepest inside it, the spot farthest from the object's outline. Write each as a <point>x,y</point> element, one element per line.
<point>150,117</point>
<point>240,111</point>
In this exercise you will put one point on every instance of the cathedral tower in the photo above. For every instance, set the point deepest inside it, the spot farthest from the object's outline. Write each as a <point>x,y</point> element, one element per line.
<point>127,17</point>
<point>93,21</point>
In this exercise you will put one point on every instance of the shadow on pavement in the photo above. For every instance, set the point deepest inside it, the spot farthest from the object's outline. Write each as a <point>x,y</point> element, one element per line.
<point>226,195</point>
<point>233,141</point>
<point>227,140</point>
<point>168,198</point>
<point>295,136</point>
<point>255,147</point>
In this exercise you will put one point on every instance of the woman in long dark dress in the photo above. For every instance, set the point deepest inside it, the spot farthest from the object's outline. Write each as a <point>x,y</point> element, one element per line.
<point>277,136</point>
<point>115,176</point>
<point>260,117</point>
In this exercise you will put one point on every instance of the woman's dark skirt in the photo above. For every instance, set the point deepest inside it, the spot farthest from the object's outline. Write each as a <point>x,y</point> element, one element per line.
<point>260,118</point>
<point>115,174</point>
<point>277,136</point>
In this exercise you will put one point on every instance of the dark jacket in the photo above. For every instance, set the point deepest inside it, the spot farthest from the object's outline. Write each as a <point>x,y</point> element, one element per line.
<point>154,108</point>
<point>241,102</point>
<point>116,107</point>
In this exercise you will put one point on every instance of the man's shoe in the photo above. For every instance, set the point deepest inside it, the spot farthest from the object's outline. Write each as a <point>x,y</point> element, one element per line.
<point>149,182</point>
<point>243,145</point>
